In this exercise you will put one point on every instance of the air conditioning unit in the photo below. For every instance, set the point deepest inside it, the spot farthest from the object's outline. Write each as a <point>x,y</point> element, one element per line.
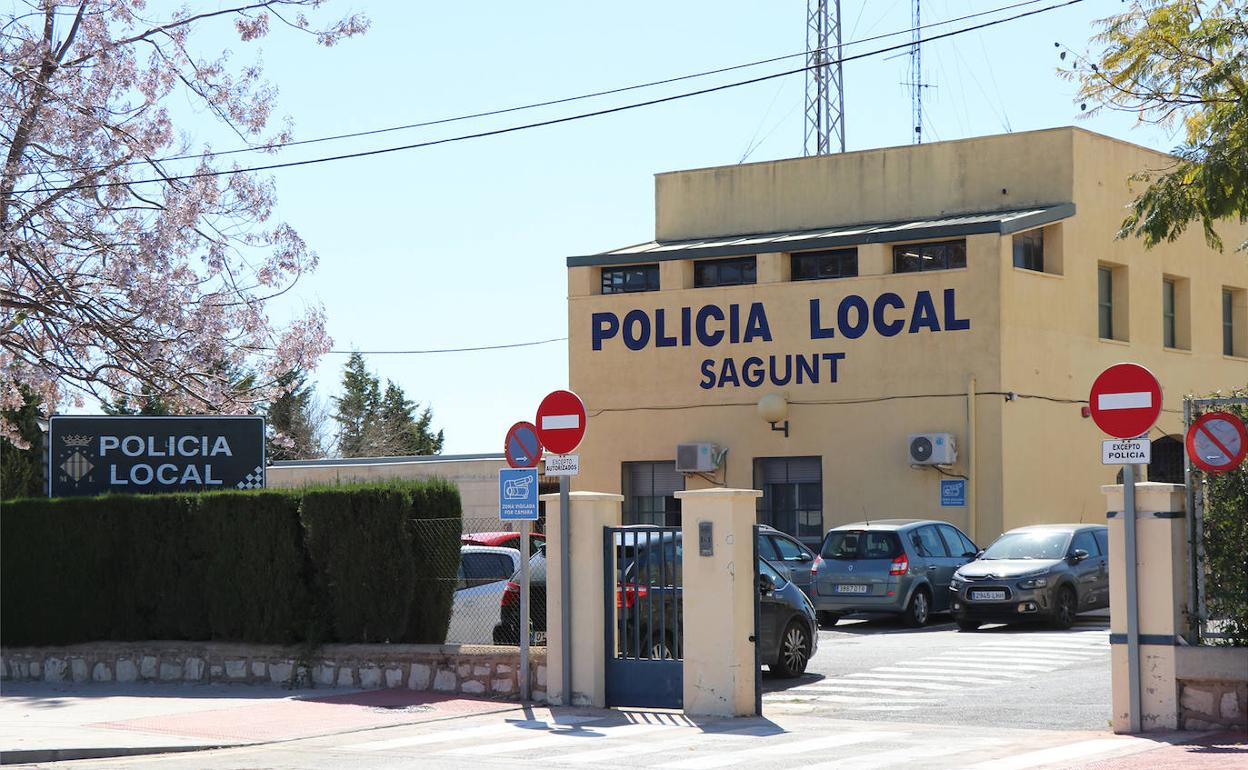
<point>697,458</point>
<point>932,449</point>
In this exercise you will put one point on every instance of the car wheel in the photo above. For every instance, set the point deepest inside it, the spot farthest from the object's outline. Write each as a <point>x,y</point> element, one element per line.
<point>1066,609</point>
<point>827,619</point>
<point>918,610</point>
<point>794,650</point>
<point>967,625</point>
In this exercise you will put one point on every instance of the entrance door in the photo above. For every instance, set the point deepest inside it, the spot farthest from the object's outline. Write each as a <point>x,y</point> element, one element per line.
<point>642,601</point>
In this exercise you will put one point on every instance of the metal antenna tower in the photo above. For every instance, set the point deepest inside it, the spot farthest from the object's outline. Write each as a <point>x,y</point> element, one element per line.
<point>825,86</point>
<point>916,76</point>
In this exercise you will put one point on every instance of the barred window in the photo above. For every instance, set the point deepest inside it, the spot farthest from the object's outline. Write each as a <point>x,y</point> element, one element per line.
<point>921,257</point>
<point>724,272</point>
<point>792,500</point>
<point>650,493</point>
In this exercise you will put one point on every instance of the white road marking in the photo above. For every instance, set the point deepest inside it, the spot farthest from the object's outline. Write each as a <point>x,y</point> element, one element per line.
<point>931,667</point>
<point>878,679</point>
<point>1022,656</point>
<point>898,757</point>
<point>560,421</point>
<point>908,677</point>
<point>1080,750</point>
<point>650,747</point>
<point>1110,401</point>
<point>572,738</point>
<point>852,699</point>
<point>1004,661</point>
<point>850,687</point>
<point>771,749</point>
<point>527,727</point>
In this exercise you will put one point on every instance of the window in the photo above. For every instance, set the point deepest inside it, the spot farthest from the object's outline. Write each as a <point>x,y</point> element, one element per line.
<point>1029,250</point>
<point>724,272</point>
<point>851,544</point>
<point>1166,465</point>
<point>1105,302</point>
<point>792,500</point>
<point>814,265</point>
<point>622,280</point>
<point>927,542</point>
<point>650,493</point>
<point>787,550</point>
<point>480,567</point>
<point>1085,541</point>
<point>956,542</point>
<point>1228,323</point>
<point>921,257</point>
<point>1102,540</point>
<point>1167,314</point>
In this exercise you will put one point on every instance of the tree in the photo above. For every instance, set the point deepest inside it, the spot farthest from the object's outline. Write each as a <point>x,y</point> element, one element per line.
<point>22,468</point>
<point>127,257</point>
<point>358,408</point>
<point>294,421</point>
<point>374,425</point>
<point>1185,63</point>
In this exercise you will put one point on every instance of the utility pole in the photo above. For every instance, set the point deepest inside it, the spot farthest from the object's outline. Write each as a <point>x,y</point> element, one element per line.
<point>825,86</point>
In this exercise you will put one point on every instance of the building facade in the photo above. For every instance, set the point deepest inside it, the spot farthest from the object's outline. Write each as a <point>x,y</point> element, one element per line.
<point>971,288</point>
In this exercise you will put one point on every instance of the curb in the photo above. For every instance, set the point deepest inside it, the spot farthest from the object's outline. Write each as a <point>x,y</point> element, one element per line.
<point>31,756</point>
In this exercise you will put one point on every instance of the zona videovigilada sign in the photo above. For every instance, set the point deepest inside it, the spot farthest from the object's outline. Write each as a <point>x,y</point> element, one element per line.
<point>90,455</point>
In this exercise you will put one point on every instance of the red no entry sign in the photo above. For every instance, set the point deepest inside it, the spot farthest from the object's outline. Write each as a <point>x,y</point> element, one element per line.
<point>1125,400</point>
<point>561,421</point>
<point>1217,442</point>
<point>522,447</point>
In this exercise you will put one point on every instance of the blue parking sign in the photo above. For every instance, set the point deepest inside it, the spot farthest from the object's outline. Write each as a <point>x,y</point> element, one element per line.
<point>952,493</point>
<point>517,494</point>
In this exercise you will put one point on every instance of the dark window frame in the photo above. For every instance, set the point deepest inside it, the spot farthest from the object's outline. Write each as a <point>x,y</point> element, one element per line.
<point>707,272</point>
<point>1228,322</point>
<point>649,513</point>
<point>1169,321</point>
<point>1029,250</point>
<point>1105,302</point>
<point>615,279</point>
<point>929,256</point>
<point>817,265</point>
<point>806,499</point>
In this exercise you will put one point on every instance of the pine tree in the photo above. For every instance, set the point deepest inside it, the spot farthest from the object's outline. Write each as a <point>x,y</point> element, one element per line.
<point>405,433</point>
<point>22,470</point>
<point>358,411</point>
<point>293,417</point>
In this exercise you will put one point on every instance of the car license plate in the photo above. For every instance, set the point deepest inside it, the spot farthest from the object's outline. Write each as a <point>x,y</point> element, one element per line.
<point>988,596</point>
<point>851,589</point>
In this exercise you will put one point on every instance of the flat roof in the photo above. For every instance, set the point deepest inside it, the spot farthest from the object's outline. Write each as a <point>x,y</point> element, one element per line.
<point>953,226</point>
<point>386,460</point>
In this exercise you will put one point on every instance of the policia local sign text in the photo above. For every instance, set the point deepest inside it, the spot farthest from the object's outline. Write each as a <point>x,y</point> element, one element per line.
<point>93,455</point>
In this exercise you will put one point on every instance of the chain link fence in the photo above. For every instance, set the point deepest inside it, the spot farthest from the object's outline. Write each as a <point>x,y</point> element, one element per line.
<point>482,576</point>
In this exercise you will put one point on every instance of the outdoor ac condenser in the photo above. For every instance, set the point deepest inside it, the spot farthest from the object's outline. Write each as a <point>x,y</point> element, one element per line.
<point>696,458</point>
<point>932,449</point>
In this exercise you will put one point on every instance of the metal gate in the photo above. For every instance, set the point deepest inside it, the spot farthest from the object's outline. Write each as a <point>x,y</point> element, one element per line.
<point>642,633</point>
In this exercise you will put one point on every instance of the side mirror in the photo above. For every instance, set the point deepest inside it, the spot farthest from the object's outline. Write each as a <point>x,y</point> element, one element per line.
<point>979,553</point>
<point>766,586</point>
<point>971,555</point>
<point>1079,555</point>
<point>805,557</point>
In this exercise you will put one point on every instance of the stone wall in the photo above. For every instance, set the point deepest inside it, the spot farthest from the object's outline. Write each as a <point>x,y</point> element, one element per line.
<point>468,670</point>
<point>1207,704</point>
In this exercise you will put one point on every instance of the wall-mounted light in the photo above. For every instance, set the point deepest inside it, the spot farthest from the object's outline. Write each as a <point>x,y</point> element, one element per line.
<point>773,408</point>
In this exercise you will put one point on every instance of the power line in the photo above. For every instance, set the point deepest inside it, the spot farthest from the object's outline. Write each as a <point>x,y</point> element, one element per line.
<point>449,350</point>
<point>547,103</point>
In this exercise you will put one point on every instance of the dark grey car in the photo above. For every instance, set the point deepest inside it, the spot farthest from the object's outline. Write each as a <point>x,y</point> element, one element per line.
<point>1043,572</point>
<point>892,565</point>
<point>787,551</point>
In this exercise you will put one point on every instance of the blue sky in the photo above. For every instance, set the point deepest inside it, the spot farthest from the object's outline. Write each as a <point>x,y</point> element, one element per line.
<point>464,244</point>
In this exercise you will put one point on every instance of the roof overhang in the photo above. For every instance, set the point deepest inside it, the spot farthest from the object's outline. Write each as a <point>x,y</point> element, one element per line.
<point>994,222</point>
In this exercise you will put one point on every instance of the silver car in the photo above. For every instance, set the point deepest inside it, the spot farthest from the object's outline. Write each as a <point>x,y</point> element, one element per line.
<point>1043,572</point>
<point>892,565</point>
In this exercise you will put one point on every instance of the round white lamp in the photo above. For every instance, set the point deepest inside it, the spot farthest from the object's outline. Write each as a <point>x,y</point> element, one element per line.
<point>773,408</point>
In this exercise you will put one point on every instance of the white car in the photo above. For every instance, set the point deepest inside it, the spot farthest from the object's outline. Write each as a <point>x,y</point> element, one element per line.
<point>483,574</point>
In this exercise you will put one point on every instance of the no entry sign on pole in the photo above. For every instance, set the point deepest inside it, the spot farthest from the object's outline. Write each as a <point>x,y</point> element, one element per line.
<point>561,421</point>
<point>1217,442</point>
<point>1125,400</point>
<point>522,447</point>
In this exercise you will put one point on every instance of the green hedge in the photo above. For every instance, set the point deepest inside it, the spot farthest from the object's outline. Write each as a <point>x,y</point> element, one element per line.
<point>344,564</point>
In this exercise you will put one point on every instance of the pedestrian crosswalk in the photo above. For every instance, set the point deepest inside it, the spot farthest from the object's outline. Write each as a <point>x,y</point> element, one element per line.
<point>915,683</point>
<point>620,740</point>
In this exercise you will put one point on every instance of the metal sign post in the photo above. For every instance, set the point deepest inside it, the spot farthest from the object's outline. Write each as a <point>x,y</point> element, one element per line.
<point>524,611</point>
<point>565,592</point>
<point>1133,606</point>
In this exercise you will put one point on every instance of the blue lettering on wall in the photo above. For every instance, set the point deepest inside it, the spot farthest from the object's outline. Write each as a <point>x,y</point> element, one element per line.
<point>710,325</point>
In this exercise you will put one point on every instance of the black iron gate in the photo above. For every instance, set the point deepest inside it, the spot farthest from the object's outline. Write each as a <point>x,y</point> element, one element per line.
<point>643,616</point>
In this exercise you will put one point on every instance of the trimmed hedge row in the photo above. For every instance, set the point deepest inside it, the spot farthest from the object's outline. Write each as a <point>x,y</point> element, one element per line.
<point>328,564</point>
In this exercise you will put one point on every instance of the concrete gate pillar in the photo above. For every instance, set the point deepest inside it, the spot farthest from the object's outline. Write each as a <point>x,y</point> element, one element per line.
<point>588,513</point>
<point>1161,559</point>
<point>719,595</point>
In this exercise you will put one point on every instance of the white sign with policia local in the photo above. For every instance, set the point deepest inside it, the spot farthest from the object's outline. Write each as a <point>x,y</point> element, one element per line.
<point>1131,451</point>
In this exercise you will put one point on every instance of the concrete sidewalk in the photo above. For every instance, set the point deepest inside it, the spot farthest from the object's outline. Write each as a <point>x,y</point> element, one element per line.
<point>46,722</point>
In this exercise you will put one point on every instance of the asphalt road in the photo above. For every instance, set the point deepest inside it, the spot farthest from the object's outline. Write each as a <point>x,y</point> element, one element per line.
<point>1019,676</point>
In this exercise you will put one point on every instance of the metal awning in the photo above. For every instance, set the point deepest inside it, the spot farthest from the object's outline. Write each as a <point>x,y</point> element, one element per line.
<point>998,222</point>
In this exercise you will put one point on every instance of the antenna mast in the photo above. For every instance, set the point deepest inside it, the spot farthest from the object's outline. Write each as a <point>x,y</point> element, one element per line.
<point>825,86</point>
<point>916,77</point>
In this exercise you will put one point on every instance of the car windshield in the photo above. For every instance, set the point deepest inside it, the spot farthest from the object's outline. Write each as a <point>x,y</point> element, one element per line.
<point>860,544</point>
<point>1029,545</point>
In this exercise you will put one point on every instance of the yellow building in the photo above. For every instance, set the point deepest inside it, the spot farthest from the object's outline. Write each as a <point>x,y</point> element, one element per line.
<point>971,288</point>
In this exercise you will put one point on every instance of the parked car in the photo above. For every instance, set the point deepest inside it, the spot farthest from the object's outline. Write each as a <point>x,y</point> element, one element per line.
<point>902,566</point>
<point>784,550</point>
<point>648,581</point>
<point>504,539</point>
<point>1046,571</point>
<point>482,579</point>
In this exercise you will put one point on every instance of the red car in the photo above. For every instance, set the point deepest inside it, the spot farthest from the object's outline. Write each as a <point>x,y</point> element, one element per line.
<point>503,539</point>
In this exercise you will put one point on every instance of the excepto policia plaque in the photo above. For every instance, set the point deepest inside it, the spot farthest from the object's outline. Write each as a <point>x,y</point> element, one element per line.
<point>90,455</point>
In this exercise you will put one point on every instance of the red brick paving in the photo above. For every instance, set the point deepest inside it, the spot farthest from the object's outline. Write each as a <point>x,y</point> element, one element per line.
<point>1218,751</point>
<point>306,717</point>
